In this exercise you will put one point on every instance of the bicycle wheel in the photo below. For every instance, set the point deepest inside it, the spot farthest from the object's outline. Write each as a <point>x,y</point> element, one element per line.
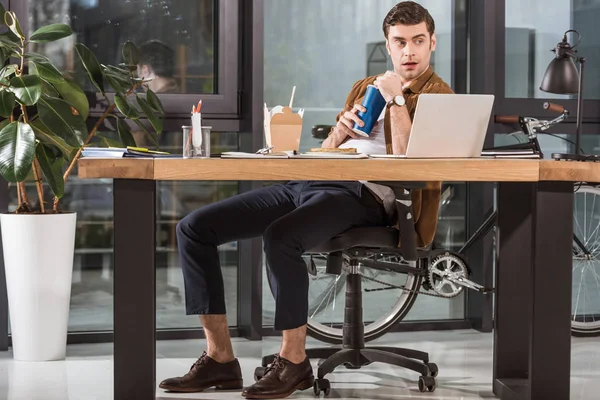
<point>585,315</point>
<point>383,306</point>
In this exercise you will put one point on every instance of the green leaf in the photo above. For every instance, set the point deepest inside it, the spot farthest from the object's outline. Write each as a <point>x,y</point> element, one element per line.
<point>73,94</point>
<point>36,57</point>
<point>10,39</point>
<point>122,81</point>
<point>125,133</point>
<point>6,72</point>
<point>131,54</point>
<point>129,67</point>
<point>7,103</point>
<point>52,169</point>
<point>125,107</point>
<point>17,147</point>
<point>4,54</point>
<point>121,71</point>
<point>58,116</point>
<point>2,11</point>
<point>46,71</point>
<point>156,122</point>
<point>150,135</point>
<point>115,84</point>
<point>91,65</point>
<point>10,19</point>
<point>43,134</point>
<point>28,89</point>
<point>10,45</point>
<point>50,33</point>
<point>3,123</point>
<point>49,90</point>
<point>109,142</point>
<point>154,102</point>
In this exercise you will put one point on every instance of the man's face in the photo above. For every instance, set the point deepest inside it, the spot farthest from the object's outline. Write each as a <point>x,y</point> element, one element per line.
<point>144,71</point>
<point>410,48</point>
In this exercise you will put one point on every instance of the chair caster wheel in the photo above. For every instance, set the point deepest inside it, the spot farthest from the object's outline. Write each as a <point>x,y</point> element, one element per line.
<point>259,372</point>
<point>350,366</point>
<point>321,385</point>
<point>433,368</point>
<point>426,384</point>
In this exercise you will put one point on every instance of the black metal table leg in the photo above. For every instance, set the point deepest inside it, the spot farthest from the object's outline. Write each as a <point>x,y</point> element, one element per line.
<point>532,340</point>
<point>134,289</point>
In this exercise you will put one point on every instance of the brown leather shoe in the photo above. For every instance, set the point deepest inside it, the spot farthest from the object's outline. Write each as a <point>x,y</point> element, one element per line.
<point>281,379</point>
<point>206,373</point>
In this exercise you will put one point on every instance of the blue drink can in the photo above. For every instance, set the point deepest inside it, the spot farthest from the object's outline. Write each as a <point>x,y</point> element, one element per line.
<point>374,103</point>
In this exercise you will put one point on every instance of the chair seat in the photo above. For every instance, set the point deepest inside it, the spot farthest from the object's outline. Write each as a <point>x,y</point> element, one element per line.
<point>371,236</point>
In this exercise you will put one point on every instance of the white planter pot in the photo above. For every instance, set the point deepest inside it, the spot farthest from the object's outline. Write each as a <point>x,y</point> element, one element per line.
<point>38,258</point>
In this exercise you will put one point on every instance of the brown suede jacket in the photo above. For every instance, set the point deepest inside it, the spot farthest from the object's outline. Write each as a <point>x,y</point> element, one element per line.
<point>426,202</point>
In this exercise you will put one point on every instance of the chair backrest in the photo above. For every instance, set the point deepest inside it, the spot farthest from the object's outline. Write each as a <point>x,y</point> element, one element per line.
<point>425,198</point>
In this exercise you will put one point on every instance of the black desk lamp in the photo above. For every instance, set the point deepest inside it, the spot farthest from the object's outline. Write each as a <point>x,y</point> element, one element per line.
<point>561,77</point>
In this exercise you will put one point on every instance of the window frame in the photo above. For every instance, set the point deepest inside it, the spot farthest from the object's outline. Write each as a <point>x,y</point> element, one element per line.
<point>223,104</point>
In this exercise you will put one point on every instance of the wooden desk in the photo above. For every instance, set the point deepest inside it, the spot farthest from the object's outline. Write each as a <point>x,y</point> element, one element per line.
<point>532,339</point>
<point>166,169</point>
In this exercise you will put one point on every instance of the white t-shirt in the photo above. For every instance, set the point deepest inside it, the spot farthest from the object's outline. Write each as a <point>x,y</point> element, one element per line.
<point>375,144</point>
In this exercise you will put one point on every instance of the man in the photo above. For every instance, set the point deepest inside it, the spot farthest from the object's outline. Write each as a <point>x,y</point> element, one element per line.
<point>157,64</point>
<point>298,216</point>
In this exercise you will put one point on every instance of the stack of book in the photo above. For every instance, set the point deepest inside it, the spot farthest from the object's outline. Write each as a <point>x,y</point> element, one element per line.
<point>508,153</point>
<point>118,152</point>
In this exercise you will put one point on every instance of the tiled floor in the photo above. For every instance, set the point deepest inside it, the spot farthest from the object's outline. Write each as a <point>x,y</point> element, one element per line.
<point>464,359</point>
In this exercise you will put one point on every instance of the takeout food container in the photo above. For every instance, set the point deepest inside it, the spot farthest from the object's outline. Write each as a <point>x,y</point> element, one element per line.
<point>283,128</point>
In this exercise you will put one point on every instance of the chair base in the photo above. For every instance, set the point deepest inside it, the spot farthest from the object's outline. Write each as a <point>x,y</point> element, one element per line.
<point>333,357</point>
<point>353,354</point>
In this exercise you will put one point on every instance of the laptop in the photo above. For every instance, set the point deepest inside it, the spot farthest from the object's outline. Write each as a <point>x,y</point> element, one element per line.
<point>448,126</point>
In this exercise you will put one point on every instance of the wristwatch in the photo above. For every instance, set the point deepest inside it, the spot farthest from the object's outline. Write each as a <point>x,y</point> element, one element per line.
<point>396,101</point>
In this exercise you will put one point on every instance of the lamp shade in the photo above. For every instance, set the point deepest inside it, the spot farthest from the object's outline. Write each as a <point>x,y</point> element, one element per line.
<point>561,77</point>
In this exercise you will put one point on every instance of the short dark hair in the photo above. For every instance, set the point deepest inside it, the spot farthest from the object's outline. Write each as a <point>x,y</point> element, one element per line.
<point>159,57</point>
<point>408,13</point>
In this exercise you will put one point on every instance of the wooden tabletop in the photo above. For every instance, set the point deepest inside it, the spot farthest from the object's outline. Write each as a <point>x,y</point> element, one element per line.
<point>447,170</point>
<point>575,171</point>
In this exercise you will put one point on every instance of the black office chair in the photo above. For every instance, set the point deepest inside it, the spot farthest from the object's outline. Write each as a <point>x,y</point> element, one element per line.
<point>353,246</point>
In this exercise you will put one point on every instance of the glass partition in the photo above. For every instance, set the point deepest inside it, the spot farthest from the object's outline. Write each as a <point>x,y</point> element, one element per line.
<point>324,72</point>
<point>535,27</point>
<point>176,38</point>
<point>92,282</point>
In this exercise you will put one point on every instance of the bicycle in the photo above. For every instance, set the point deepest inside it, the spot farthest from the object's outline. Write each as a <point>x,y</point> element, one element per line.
<point>392,295</point>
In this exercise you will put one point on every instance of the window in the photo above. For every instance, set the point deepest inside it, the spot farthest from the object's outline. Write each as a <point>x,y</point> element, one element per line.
<point>189,48</point>
<point>324,70</point>
<point>195,45</point>
<point>533,28</point>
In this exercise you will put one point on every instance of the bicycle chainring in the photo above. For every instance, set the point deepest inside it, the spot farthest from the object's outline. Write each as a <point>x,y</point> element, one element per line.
<point>443,267</point>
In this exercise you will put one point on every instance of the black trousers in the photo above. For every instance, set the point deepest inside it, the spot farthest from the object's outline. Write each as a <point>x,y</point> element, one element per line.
<point>292,218</point>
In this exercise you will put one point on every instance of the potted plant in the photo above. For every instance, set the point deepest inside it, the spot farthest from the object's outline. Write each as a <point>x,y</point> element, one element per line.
<point>41,138</point>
